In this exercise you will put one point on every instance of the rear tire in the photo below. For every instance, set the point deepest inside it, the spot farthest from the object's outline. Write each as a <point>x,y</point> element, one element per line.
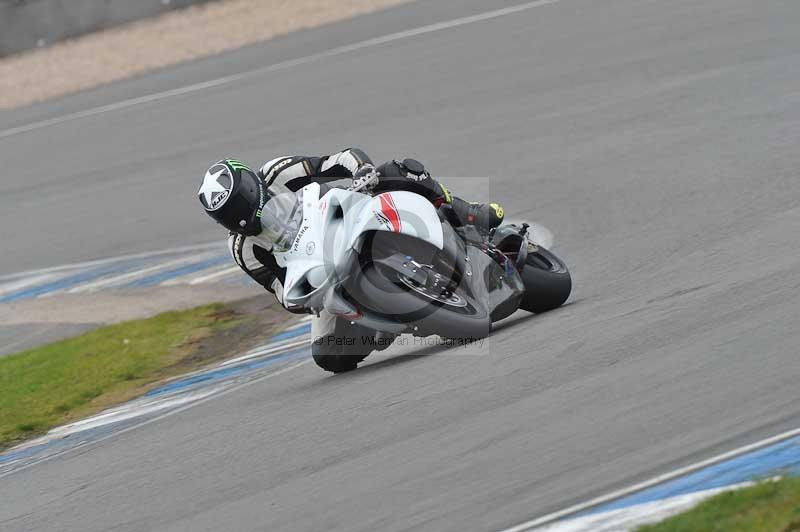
<point>547,281</point>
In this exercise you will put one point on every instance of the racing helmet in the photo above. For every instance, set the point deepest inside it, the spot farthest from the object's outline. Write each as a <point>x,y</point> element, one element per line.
<point>233,195</point>
<point>238,199</point>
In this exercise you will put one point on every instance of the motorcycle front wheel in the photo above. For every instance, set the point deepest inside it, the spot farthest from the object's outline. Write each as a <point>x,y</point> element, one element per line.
<point>343,348</point>
<point>451,314</point>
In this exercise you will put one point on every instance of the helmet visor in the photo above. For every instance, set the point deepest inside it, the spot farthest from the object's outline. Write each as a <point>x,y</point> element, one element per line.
<point>281,217</point>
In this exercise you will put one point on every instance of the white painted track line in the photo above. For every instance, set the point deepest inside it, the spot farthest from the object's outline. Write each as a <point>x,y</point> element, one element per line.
<point>226,80</point>
<point>13,286</point>
<point>216,275</point>
<point>549,518</point>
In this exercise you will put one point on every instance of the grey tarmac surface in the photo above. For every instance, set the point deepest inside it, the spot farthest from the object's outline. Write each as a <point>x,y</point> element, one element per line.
<point>657,139</point>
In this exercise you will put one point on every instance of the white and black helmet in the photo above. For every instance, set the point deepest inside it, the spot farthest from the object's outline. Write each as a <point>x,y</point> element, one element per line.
<point>233,195</point>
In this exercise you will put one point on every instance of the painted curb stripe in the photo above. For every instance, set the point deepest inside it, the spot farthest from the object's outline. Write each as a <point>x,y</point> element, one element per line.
<point>149,255</point>
<point>608,499</point>
<point>638,515</point>
<point>292,333</point>
<point>780,458</point>
<point>225,372</point>
<point>119,280</point>
<point>158,278</point>
<point>60,284</point>
<point>189,265</point>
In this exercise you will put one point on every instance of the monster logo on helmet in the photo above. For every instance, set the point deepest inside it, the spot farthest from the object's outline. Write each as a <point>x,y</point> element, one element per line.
<point>236,165</point>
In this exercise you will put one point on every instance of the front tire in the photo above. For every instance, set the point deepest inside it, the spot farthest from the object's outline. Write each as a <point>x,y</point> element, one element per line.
<point>547,281</point>
<point>390,293</point>
<point>344,348</point>
<point>395,299</point>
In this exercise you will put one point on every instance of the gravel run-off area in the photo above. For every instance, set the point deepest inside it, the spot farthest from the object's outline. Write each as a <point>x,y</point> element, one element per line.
<point>168,39</point>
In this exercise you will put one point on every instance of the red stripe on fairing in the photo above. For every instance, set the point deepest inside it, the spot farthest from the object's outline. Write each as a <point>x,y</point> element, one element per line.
<point>390,211</point>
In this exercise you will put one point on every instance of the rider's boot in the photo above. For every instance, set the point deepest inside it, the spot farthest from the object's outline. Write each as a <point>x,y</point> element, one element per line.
<point>484,216</point>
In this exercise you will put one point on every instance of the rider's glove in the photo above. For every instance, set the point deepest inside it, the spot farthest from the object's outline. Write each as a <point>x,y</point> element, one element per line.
<point>366,177</point>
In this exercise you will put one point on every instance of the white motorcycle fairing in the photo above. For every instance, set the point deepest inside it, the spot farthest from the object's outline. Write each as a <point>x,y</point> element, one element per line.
<point>331,232</point>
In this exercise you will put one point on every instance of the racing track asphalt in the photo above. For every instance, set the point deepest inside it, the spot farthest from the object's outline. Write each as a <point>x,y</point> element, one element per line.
<point>657,139</point>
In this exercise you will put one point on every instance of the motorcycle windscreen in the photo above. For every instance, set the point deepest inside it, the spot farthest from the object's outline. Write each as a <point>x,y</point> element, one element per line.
<point>281,217</point>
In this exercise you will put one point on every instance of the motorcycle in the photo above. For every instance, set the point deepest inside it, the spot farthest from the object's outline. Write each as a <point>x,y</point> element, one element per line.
<point>392,264</point>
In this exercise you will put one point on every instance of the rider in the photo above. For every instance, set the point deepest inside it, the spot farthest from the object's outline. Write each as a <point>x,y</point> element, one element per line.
<point>234,196</point>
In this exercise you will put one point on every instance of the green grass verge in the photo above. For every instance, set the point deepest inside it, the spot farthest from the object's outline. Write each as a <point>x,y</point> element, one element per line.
<point>765,507</point>
<point>49,385</point>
